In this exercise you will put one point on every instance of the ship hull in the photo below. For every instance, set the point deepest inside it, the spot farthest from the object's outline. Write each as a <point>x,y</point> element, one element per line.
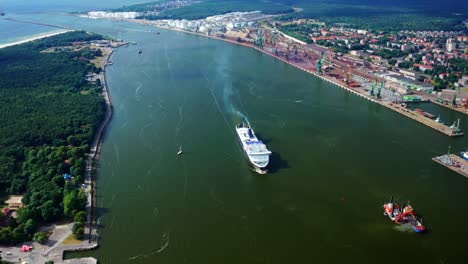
<point>248,157</point>
<point>258,154</point>
<point>464,155</point>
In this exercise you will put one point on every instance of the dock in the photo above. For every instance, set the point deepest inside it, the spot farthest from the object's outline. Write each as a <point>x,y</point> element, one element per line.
<point>360,92</point>
<point>453,162</point>
<point>311,69</point>
<point>451,132</point>
<point>424,120</point>
<point>449,106</point>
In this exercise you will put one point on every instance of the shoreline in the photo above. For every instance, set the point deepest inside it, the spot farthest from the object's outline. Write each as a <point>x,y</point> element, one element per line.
<point>92,224</point>
<point>96,148</point>
<point>458,109</point>
<point>92,229</point>
<point>90,175</point>
<point>36,37</point>
<point>405,112</point>
<point>56,251</point>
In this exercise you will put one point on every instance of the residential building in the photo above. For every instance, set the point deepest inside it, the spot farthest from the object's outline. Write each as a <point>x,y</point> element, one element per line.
<point>14,202</point>
<point>450,45</point>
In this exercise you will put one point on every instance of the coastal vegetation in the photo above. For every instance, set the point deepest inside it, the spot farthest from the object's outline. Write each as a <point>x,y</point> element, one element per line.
<point>375,15</point>
<point>214,7</point>
<point>299,31</point>
<point>48,117</point>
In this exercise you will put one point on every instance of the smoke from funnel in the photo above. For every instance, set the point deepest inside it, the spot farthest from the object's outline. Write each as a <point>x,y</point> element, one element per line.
<point>228,93</point>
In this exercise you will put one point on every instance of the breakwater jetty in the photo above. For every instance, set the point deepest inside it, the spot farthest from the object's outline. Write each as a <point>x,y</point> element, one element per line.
<point>36,23</point>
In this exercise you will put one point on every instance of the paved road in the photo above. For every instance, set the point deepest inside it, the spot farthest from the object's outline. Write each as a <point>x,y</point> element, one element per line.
<point>52,250</point>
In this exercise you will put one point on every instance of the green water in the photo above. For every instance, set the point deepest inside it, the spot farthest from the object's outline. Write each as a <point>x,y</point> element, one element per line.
<point>337,159</point>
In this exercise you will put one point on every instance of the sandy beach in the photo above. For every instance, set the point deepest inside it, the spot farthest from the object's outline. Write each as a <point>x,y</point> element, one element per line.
<point>36,37</point>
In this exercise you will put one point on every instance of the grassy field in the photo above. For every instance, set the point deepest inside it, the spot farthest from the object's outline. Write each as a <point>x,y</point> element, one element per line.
<point>71,240</point>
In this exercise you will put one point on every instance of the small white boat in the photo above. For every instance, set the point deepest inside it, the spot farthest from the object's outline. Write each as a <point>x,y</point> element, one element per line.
<point>464,154</point>
<point>180,150</point>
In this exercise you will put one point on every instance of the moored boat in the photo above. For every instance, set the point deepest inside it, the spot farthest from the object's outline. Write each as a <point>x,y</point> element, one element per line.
<point>464,155</point>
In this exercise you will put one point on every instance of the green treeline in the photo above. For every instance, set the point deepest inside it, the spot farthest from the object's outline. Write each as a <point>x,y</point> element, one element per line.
<point>367,15</point>
<point>396,22</point>
<point>383,15</point>
<point>215,7</point>
<point>300,32</point>
<point>377,15</point>
<point>48,117</point>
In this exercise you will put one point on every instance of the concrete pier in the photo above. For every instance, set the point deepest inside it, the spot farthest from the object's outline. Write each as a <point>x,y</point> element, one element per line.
<point>453,162</point>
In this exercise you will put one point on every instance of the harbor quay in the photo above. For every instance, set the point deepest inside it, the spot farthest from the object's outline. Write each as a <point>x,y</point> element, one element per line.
<point>453,162</point>
<point>313,59</point>
<point>390,103</point>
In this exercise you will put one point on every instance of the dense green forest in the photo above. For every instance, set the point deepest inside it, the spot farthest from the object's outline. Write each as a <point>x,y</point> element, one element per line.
<point>300,32</point>
<point>48,116</point>
<point>215,7</point>
<point>378,15</point>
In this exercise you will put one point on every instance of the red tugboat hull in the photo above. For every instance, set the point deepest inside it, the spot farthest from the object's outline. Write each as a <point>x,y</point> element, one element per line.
<point>407,215</point>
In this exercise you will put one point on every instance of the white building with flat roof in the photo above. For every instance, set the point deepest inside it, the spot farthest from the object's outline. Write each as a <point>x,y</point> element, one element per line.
<point>115,15</point>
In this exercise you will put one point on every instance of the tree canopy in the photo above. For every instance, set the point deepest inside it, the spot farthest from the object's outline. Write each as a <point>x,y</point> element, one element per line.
<point>48,116</point>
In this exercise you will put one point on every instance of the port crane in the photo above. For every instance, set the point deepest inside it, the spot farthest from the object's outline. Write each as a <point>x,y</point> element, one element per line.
<point>371,91</point>
<point>347,77</point>
<point>274,38</point>
<point>321,63</point>
<point>348,73</point>
<point>379,89</point>
<point>381,86</point>
<point>258,42</point>
<point>456,125</point>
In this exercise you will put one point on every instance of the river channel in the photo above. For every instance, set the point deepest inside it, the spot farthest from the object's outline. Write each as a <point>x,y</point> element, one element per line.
<point>337,158</point>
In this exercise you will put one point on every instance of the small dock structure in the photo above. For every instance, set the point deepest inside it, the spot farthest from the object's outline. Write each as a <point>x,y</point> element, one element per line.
<point>453,162</point>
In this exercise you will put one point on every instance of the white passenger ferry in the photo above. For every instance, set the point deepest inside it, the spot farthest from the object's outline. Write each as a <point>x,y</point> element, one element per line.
<point>254,149</point>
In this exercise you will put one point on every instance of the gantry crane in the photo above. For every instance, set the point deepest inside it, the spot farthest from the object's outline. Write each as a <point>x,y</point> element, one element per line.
<point>371,91</point>
<point>258,42</point>
<point>381,86</point>
<point>320,64</point>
